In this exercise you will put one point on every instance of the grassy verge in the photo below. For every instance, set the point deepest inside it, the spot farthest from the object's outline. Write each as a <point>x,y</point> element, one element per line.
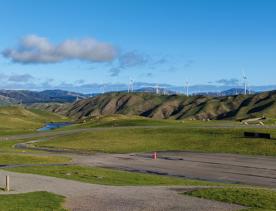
<point>6,159</point>
<point>32,202</point>
<point>257,199</point>
<point>104,176</point>
<point>125,140</point>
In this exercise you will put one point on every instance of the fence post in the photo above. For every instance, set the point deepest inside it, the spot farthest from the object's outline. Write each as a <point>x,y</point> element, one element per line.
<point>7,183</point>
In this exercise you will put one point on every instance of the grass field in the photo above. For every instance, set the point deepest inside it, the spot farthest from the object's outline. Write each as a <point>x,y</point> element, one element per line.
<point>122,121</point>
<point>104,176</point>
<point>34,201</point>
<point>257,199</point>
<point>125,140</point>
<point>8,146</point>
<point>15,119</point>
<point>13,158</point>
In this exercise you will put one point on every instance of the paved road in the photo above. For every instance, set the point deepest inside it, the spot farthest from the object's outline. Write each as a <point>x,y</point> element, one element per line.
<point>89,197</point>
<point>255,170</point>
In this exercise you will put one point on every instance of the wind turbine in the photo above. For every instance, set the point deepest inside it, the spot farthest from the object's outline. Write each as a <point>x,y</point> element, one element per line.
<point>245,82</point>
<point>103,88</point>
<point>130,86</point>
<point>162,90</point>
<point>157,88</point>
<point>187,88</point>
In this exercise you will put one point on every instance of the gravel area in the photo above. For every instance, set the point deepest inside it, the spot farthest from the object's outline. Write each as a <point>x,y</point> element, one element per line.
<point>83,196</point>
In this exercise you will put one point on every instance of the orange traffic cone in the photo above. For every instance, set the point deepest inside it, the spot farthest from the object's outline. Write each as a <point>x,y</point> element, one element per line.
<point>154,156</point>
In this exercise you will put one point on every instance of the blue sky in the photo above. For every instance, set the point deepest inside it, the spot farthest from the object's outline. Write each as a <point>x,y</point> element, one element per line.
<point>154,41</point>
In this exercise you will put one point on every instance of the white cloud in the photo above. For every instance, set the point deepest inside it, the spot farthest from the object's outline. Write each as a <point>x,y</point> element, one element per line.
<point>35,49</point>
<point>16,77</point>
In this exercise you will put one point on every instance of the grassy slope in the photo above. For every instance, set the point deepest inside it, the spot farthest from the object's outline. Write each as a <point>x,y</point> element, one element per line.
<point>123,121</point>
<point>176,137</point>
<point>104,176</point>
<point>9,155</point>
<point>6,159</point>
<point>15,119</point>
<point>8,146</point>
<point>258,199</point>
<point>32,202</point>
<point>173,106</point>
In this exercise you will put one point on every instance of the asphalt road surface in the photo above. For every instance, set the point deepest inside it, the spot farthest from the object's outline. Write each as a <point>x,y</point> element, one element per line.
<point>229,168</point>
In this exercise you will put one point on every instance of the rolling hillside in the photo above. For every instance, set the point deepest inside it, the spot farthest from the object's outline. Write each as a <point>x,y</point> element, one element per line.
<point>170,106</point>
<point>6,100</point>
<point>19,119</point>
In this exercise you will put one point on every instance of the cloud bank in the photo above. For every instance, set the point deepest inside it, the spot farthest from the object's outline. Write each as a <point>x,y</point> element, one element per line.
<point>18,78</point>
<point>129,60</point>
<point>35,49</point>
<point>21,78</point>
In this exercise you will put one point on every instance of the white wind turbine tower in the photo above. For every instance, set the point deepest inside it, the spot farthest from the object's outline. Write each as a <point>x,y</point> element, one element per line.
<point>187,88</point>
<point>244,82</point>
<point>130,86</point>
<point>162,90</point>
<point>157,88</point>
<point>103,88</point>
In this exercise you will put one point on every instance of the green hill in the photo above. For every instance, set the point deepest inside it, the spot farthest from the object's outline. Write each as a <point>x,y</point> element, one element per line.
<point>19,119</point>
<point>170,106</point>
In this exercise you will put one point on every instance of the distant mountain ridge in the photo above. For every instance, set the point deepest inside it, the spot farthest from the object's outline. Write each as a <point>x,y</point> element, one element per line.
<point>8,97</point>
<point>88,88</point>
<point>170,106</point>
<point>27,97</point>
